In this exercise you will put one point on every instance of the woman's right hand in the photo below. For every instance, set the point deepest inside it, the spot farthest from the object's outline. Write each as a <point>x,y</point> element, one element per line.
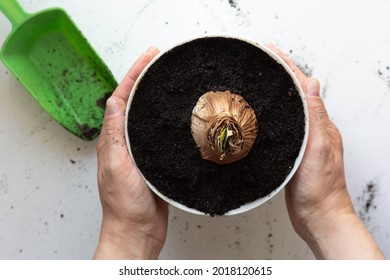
<point>320,208</point>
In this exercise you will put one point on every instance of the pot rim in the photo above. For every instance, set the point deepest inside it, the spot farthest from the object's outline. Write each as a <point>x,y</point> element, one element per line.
<point>250,205</point>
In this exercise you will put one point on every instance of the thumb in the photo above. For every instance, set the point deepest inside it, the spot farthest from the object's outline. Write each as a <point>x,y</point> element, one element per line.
<point>113,130</point>
<point>318,116</point>
<point>113,106</point>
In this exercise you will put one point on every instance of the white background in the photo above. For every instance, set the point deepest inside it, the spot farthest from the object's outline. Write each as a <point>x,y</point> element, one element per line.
<point>49,206</point>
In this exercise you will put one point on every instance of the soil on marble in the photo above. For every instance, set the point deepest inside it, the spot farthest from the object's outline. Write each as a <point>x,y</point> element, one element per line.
<point>159,124</point>
<point>367,200</point>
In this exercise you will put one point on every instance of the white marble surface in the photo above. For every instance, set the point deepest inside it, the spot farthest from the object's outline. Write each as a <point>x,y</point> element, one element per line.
<point>49,204</point>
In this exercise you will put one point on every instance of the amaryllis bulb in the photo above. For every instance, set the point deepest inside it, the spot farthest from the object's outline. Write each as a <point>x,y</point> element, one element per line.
<point>224,126</point>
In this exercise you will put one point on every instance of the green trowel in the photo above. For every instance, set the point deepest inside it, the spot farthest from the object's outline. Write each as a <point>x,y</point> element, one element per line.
<point>49,55</point>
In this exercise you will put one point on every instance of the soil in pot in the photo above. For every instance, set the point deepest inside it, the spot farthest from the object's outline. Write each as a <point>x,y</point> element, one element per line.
<point>159,124</point>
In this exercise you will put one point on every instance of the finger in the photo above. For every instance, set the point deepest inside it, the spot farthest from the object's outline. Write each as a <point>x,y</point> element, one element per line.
<point>318,116</point>
<point>123,90</point>
<point>113,133</point>
<point>302,78</point>
<point>125,87</point>
<point>112,139</point>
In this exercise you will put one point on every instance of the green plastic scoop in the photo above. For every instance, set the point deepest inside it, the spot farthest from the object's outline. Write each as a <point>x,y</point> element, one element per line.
<point>56,64</point>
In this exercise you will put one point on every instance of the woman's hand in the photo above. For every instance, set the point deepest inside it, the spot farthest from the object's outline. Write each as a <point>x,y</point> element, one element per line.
<point>134,221</point>
<point>317,198</point>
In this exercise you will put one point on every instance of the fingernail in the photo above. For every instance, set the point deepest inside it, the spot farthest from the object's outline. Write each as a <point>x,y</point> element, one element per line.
<point>313,87</point>
<point>151,49</point>
<point>112,106</point>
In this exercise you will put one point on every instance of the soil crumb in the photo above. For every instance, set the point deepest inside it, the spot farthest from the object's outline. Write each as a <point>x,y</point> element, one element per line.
<point>233,4</point>
<point>301,63</point>
<point>101,102</point>
<point>383,73</point>
<point>367,201</point>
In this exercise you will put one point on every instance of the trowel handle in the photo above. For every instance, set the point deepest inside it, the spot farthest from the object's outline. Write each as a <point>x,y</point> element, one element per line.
<point>14,12</point>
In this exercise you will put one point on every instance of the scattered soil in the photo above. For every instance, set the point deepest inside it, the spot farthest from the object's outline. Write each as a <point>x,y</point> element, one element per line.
<point>367,200</point>
<point>101,102</point>
<point>88,132</point>
<point>160,134</point>
<point>233,3</point>
<point>370,199</point>
<point>302,65</point>
<point>384,74</point>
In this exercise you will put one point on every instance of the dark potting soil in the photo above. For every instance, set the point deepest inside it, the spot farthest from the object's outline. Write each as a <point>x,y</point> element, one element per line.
<point>159,124</point>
